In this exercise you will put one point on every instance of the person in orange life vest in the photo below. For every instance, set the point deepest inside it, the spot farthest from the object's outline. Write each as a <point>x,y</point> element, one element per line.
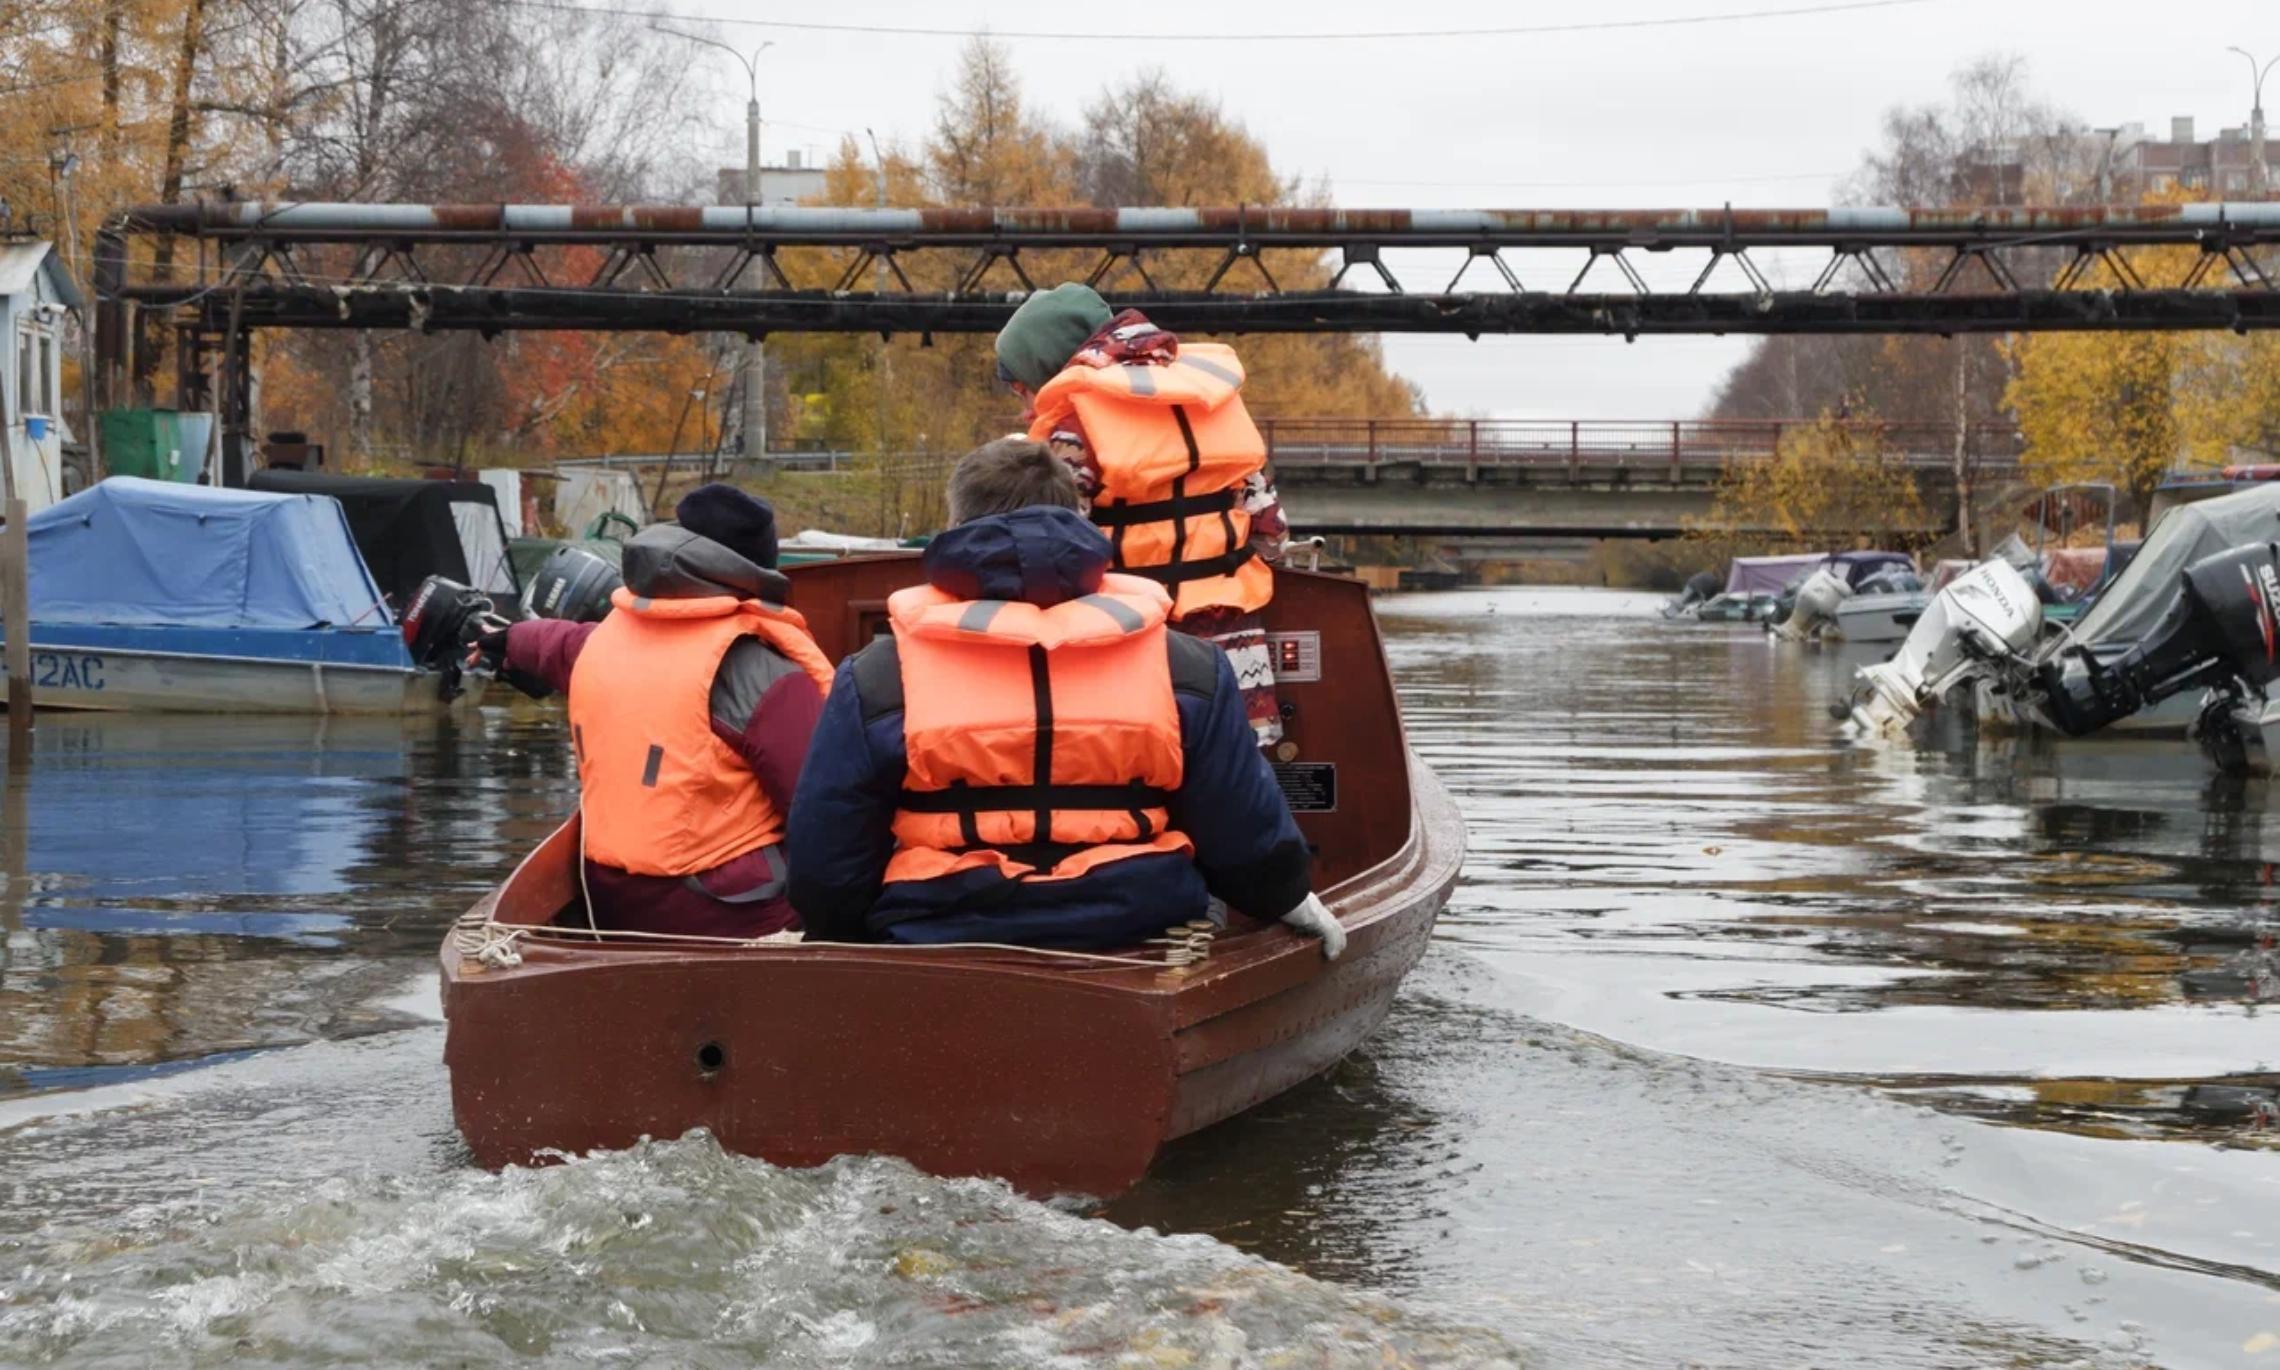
<point>1031,757</point>
<point>691,705</point>
<point>1169,463</point>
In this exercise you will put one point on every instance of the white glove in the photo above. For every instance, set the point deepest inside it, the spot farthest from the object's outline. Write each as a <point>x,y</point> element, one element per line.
<point>1314,919</point>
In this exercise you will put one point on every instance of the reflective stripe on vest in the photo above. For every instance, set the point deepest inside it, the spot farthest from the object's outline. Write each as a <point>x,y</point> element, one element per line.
<point>659,791</point>
<point>1175,446</point>
<point>1043,743</point>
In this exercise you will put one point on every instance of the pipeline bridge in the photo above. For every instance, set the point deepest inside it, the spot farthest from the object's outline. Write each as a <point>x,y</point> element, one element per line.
<point>244,267</point>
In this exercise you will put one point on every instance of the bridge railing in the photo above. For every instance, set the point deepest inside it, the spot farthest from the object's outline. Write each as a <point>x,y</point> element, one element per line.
<point>1618,443</point>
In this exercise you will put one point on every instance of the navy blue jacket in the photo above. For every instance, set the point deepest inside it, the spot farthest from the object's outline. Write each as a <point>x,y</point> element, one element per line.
<point>1247,848</point>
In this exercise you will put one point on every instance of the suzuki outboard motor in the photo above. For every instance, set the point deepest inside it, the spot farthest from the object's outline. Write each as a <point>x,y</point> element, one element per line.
<point>573,584</point>
<point>446,618</point>
<point>2221,633</point>
<point>1816,606</point>
<point>1986,618</point>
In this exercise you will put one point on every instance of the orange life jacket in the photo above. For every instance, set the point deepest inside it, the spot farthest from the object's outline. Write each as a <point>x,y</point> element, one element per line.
<point>1174,445</point>
<point>1042,742</point>
<point>659,791</point>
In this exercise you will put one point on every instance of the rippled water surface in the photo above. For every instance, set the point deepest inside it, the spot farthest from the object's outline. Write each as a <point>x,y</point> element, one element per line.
<point>1737,1047</point>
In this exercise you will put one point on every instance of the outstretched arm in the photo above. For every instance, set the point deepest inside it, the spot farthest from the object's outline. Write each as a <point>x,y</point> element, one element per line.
<point>542,651</point>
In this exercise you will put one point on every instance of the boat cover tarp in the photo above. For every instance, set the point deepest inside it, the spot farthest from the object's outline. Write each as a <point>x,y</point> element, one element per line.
<point>409,530</point>
<point>2145,589</point>
<point>1768,575</point>
<point>136,552</point>
<point>1856,567</point>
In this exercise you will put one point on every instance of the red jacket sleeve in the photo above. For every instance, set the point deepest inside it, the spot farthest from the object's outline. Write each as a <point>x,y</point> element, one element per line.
<point>544,649</point>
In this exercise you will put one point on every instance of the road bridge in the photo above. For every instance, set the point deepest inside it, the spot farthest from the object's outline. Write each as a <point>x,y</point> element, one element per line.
<point>1513,478</point>
<point>1569,478</point>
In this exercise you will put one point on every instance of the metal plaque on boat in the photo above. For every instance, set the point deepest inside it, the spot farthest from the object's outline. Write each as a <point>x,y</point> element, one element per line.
<point>1310,786</point>
<point>1297,657</point>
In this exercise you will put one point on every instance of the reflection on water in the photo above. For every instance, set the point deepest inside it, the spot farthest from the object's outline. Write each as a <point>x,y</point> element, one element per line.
<point>179,888</point>
<point>1738,1047</point>
<point>1671,841</point>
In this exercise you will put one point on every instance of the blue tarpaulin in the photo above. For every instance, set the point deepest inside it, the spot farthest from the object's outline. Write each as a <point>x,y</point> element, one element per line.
<point>153,553</point>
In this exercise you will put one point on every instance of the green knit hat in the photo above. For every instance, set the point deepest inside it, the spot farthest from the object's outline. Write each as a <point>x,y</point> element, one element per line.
<point>1047,330</point>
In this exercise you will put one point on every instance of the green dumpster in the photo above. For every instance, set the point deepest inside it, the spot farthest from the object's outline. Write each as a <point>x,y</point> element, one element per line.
<point>149,443</point>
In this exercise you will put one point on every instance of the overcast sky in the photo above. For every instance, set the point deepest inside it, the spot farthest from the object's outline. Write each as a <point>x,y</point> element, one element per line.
<point>1761,112</point>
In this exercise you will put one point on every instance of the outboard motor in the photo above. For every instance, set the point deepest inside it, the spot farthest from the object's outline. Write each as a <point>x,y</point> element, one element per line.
<point>445,618</point>
<point>1699,588</point>
<point>1987,618</point>
<point>572,584</point>
<point>1816,606</point>
<point>2221,634</point>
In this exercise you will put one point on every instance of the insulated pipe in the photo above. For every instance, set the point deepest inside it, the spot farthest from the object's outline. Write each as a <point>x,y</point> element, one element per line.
<point>2116,225</point>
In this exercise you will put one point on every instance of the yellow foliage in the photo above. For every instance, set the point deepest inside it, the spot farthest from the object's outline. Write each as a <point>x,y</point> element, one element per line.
<point>2228,397</point>
<point>1830,486</point>
<point>2098,407</point>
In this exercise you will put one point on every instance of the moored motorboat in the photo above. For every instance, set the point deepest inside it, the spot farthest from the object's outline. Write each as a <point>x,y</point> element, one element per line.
<point>1059,1072</point>
<point>155,596</point>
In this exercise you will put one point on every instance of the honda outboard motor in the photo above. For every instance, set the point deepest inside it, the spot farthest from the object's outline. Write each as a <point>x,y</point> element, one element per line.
<point>444,619</point>
<point>2221,634</point>
<point>1816,606</point>
<point>573,584</point>
<point>1985,619</point>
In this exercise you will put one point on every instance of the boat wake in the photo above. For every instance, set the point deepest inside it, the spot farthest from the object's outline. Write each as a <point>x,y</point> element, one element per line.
<point>675,1253</point>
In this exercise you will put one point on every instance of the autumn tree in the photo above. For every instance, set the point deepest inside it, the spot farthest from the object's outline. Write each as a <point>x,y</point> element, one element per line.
<point>2098,407</point>
<point>1829,485</point>
<point>2228,397</point>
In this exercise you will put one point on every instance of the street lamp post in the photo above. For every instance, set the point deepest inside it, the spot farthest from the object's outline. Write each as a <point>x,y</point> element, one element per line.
<point>2257,176</point>
<point>753,383</point>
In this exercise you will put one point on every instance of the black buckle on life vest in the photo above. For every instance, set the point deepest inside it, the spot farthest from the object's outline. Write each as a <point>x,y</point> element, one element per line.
<point>1163,510</point>
<point>1225,564</point>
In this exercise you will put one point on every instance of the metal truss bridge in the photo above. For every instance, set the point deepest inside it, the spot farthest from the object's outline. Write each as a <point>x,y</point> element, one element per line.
<point>1630,273</point>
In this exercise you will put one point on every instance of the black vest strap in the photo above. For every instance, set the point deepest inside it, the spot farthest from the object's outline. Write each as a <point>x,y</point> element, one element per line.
<point>1225,564</point>
<point>1163,510</point>
<point>1017,798</point>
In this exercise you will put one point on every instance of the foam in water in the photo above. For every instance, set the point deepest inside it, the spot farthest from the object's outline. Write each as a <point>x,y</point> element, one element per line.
<point>679,1253</point>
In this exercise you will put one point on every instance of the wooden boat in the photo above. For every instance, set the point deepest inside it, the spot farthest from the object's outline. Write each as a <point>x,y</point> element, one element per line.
<point>1062,1075</point>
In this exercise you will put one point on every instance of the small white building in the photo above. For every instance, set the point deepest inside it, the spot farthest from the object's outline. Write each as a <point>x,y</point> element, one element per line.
<point>35,295</point>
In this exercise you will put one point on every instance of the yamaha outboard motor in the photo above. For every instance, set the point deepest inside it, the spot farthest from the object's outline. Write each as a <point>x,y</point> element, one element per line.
<point>573,584</point>
<point>444,620</point>
<point>1986,619</point>
<point>2221,634</point>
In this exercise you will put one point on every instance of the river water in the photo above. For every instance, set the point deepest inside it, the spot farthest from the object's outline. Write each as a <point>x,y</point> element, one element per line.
<point>1738,1046</point>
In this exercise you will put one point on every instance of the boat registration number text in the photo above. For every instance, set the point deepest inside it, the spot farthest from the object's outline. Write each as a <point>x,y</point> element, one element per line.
<point>67,671</point>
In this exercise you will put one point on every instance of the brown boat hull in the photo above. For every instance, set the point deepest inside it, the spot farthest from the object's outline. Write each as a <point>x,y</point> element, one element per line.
<point>1061,1077</point>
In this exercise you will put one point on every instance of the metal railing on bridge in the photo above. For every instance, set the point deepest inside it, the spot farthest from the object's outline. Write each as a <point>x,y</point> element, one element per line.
<point>1573,445</point>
